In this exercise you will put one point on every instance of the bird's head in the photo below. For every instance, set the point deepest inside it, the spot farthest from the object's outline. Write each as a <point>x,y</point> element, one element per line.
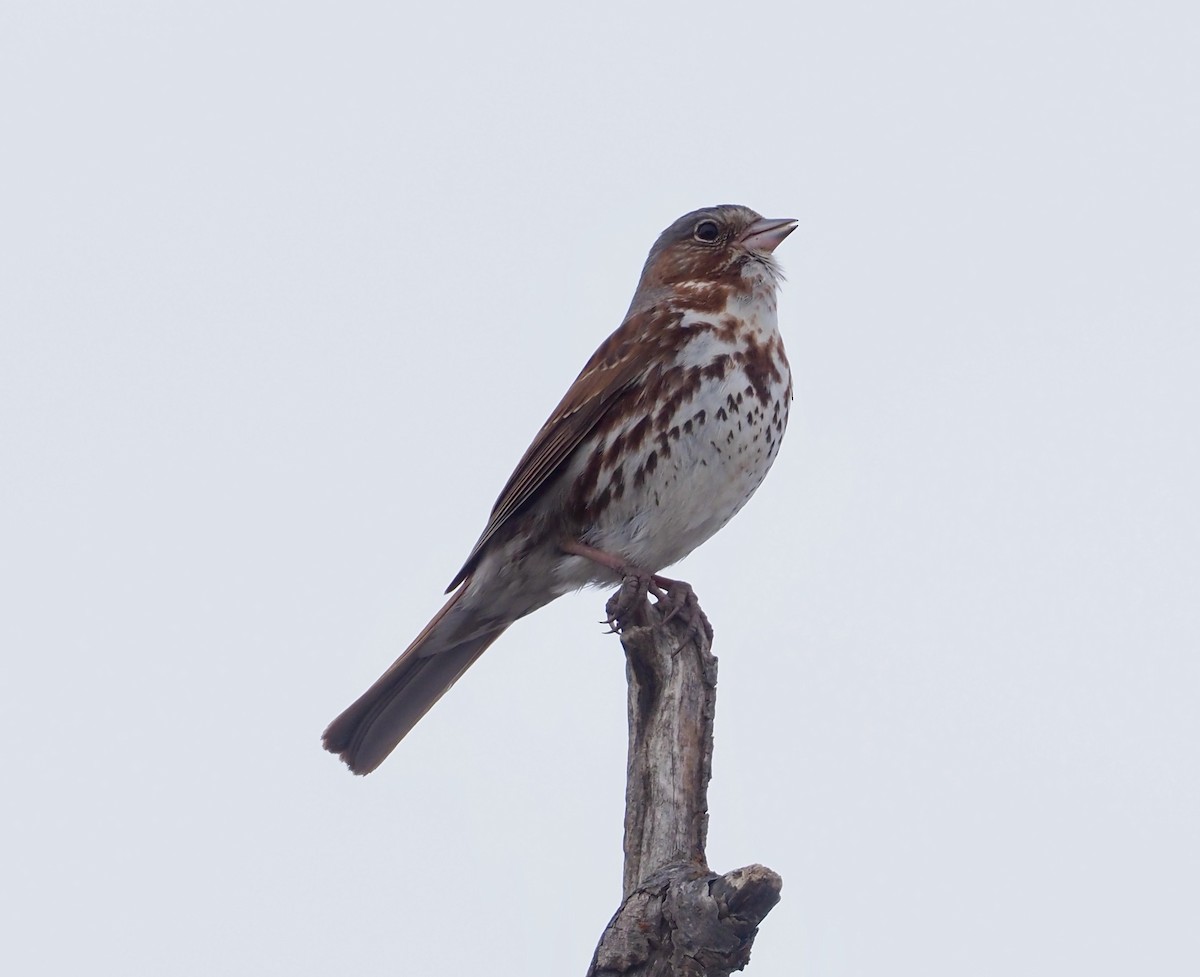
<point>712,246</point>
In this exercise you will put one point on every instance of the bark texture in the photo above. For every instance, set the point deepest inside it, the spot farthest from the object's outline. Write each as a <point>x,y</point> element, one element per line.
<point>678,918</point>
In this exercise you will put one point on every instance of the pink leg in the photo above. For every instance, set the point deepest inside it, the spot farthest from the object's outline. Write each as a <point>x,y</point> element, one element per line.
<point>614,563</point>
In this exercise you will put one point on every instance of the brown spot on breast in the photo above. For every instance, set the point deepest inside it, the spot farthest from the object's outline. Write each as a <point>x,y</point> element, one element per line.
<point>617,482</point>
<point>718,369</point>
<point>675,389</point>
<point>614,450</point>
<point>725,327</point>
<point>646,468</point>
<point>761,363</point>
<point>637,433</point>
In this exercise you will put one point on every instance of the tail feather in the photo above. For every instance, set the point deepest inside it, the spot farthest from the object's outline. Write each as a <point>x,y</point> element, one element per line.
<point>381,717</point>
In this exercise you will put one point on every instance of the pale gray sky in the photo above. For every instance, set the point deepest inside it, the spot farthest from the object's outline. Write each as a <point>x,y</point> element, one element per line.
<point>286,291</point>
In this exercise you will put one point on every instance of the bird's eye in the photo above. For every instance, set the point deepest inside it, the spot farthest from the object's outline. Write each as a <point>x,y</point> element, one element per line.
<point>706,231</point>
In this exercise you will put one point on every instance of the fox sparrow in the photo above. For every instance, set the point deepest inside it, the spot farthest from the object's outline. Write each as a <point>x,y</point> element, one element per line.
<point>662,438</point>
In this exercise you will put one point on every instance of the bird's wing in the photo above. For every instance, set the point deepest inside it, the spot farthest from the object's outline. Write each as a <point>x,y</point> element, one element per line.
<point>620,363</point>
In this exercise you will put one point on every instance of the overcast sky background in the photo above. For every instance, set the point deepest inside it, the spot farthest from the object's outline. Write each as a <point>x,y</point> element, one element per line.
<point>286,289</point>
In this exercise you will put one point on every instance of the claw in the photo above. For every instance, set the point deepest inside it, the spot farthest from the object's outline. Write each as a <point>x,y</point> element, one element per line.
<point>623,605</point>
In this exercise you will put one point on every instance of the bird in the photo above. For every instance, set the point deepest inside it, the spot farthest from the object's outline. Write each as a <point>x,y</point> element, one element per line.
<point>665,434</point>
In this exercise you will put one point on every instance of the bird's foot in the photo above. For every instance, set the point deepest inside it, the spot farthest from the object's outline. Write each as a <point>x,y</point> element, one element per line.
<point>674,598</point>
<point>625,607</point>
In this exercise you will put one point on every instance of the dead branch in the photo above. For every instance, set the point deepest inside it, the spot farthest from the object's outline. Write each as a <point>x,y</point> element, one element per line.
<point>678,918</point>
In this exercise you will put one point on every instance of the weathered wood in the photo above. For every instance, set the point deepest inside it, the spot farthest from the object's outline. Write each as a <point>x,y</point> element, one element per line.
<point>678,918</point>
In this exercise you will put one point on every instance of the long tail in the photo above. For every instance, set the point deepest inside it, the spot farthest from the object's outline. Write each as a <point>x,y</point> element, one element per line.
<point>375,724</point>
